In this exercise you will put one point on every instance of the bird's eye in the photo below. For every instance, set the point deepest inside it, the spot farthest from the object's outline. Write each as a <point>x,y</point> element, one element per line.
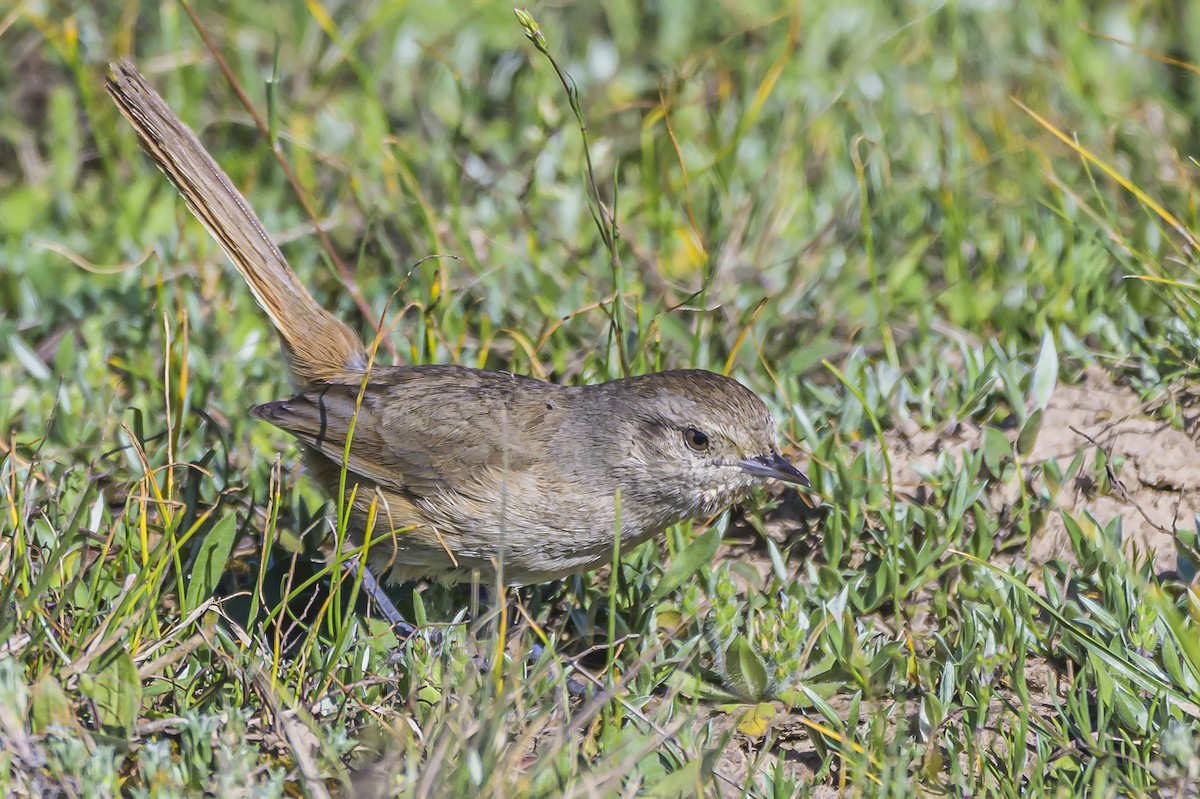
<point>695,439</point>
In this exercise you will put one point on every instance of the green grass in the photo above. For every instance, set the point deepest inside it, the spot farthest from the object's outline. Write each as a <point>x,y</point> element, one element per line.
<point>844,207</point>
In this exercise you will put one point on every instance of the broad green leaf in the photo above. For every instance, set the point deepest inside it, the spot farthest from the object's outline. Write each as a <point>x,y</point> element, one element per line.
<point>694,778</point>
<point>679,784</point>
<point>996,449</point>
<point>1029,433</point>
<point>1045,373</point>
<point>210,561</point>
<point>117,693</point>
<point>746,669</point>
<point>777,564</point>
<point>28,358</point>
<point>691,686</point>
<point>696,555</point>
<point>49,706</point>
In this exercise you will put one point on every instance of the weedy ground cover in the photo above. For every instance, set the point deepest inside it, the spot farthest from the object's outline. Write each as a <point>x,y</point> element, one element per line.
<point>909,226</point>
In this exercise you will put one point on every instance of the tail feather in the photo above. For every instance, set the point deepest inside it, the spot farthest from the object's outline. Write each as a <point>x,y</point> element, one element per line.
<point>320,347</point>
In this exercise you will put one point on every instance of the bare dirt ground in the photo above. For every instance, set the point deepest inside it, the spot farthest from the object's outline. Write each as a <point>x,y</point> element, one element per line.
<point>1160,473</point>
<point>1157,465</point>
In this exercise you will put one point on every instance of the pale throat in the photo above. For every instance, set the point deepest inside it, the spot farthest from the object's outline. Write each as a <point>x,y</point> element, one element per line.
<point>719,496</point>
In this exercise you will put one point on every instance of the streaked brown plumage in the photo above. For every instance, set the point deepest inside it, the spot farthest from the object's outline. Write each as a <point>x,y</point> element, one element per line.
<point>473,470</point>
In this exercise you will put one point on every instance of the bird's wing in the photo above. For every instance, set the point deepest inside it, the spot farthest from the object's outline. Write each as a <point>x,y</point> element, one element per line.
<point>419,430</point>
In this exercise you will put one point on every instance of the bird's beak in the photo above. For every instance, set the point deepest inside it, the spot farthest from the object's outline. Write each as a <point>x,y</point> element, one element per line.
<point>774,466</point>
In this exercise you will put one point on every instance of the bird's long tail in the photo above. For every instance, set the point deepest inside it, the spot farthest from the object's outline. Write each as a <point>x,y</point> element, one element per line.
<point>320,348</point>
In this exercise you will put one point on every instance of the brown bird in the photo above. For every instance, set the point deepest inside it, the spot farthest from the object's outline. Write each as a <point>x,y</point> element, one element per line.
<point>473,470</point>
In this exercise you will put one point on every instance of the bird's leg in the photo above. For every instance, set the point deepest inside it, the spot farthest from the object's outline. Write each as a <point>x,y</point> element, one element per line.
<point>480,599</point>
<point>375,591</point>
